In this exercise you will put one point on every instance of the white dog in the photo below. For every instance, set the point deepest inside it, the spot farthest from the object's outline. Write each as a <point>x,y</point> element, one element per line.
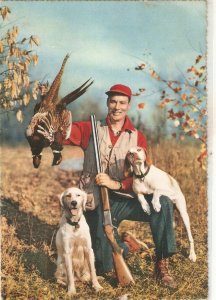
<point>75,255</point>
<point>147,179</point>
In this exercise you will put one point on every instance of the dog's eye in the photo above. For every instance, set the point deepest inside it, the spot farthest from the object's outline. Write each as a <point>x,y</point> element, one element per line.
<point>138,150</point>
<point>78,195</point>
<point>68,196</point>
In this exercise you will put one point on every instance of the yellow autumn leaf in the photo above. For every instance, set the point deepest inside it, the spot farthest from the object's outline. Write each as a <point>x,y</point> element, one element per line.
<point>4,11</point>
<point>202,147</point>
<point>15,76</point>
<point>26,81</point>
<point>19,79</point>
<point>1,47</point>
<point>7,83</point>
<point>26,65</point>
<point>21,66</point>
<point>26,99</point>
<point>186,129</point>
<point>34,95</point>
<point>13,90</point>
<point>35,59</point>
<point>191,123</point>
<point>19,116</point>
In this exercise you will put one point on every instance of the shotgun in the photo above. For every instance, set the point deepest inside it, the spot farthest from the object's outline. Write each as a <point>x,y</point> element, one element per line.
<point>122,271</point>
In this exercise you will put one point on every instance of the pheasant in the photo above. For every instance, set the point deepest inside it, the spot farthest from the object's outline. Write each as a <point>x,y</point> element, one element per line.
<point>51,122</point>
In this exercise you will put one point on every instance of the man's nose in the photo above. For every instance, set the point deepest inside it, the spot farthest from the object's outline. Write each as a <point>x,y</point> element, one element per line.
<point>117,105</point>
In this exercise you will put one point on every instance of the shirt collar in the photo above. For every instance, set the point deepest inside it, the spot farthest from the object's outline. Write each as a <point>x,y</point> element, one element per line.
<point>128,126</point>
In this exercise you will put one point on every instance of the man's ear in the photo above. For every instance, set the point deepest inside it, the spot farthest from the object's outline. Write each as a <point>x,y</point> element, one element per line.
<point>128,169</point>
<point>84,201</point>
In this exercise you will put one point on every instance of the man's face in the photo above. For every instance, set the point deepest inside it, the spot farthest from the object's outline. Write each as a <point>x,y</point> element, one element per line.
<point>118,106</point>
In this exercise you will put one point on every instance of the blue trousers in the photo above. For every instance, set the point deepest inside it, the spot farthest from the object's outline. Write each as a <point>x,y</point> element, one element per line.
<point>123,208</point>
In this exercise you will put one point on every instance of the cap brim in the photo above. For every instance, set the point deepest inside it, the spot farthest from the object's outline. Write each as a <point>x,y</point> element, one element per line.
<point>118,92</point>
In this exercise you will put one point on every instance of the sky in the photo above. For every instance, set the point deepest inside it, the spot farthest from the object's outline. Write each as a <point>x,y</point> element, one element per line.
<point>108,39</point>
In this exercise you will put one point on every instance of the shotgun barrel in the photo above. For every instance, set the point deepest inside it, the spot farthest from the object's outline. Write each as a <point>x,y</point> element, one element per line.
<point>122,271</point>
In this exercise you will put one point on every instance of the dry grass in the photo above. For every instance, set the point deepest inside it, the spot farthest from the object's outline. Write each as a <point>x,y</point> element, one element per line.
<point>30,214</point>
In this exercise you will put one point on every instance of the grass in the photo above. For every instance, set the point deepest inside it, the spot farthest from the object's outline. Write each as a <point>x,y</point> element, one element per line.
<point>30,214</point>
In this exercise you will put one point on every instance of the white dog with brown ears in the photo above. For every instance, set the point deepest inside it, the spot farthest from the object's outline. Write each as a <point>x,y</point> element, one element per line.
<point>75,255</point>
<point>147,179</point>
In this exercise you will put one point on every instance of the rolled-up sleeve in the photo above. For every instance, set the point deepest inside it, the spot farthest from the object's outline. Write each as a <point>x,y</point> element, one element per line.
<point>80,134</point>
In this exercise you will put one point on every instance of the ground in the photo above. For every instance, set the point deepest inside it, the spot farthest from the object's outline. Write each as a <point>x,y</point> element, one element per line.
<point>29,220</point>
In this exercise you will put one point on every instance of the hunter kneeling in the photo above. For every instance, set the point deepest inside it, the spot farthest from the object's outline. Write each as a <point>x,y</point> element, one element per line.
<point>116,135</point>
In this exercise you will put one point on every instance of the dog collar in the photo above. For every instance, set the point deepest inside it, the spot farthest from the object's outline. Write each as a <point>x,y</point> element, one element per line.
<point>76,224</point>
<point>142,175</point>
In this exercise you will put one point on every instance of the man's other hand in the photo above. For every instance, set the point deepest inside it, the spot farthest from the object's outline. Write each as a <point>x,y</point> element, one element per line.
<point>105,180</point>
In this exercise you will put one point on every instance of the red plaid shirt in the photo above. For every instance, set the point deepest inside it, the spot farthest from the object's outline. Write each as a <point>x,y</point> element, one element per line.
<point>81,132</point>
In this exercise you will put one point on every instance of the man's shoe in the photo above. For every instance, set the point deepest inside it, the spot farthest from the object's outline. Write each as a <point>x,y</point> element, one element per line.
<point>134,245</point>
<point>163,274</point>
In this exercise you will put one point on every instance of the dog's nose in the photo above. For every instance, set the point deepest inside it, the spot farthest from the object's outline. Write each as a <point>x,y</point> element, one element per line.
<point>136,155</point>
<point>73,203</point>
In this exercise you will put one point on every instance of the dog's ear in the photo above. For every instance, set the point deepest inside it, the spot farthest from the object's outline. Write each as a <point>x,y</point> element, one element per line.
<point>84,200</point>
<point>148,159</point>
<point>128,169</point>
<point>61,198</point>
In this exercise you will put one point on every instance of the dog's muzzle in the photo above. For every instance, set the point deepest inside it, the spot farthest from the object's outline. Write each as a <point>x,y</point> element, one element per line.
<point>74,209</point>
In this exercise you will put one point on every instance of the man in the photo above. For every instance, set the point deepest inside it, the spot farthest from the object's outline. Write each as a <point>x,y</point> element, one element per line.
<point>116,136</point>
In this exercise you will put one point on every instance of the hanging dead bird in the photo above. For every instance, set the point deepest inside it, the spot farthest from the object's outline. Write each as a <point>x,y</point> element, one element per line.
<point>51,122</point>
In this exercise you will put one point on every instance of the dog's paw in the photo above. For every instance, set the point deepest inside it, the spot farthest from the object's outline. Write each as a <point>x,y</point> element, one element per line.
<point>71,291</point>
<point>156,205</point>
<point>192,257</point>
<point>61,282</point>
<point>97,287</point>
<point>146,208</point>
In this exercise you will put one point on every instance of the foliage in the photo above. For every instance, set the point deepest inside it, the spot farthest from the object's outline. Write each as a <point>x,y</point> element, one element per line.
<point>186,100</point>
<point>16,57</point>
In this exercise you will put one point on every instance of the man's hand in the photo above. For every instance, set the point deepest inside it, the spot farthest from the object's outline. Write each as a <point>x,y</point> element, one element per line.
<point>105,180</point>
<point>47,130</point>
<point>48,135</point>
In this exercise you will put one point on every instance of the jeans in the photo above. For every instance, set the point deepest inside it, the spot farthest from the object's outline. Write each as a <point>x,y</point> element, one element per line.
<point>123,208</point>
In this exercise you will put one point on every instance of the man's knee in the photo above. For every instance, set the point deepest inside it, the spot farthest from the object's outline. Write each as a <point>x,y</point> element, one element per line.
<point>166,202</point>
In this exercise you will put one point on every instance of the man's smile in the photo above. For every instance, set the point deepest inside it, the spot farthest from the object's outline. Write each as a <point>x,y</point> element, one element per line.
<point>116,112</point>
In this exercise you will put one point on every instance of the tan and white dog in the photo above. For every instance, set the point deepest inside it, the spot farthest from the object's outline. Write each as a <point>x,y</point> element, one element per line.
<point>73,241</point>
<point>147,179</point>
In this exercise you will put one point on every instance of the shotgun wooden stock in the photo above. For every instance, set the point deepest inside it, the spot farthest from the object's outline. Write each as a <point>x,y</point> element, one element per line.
<point>122,271</point>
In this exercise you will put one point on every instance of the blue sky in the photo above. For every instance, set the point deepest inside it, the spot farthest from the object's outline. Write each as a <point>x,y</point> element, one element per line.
<point>106,38</point>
